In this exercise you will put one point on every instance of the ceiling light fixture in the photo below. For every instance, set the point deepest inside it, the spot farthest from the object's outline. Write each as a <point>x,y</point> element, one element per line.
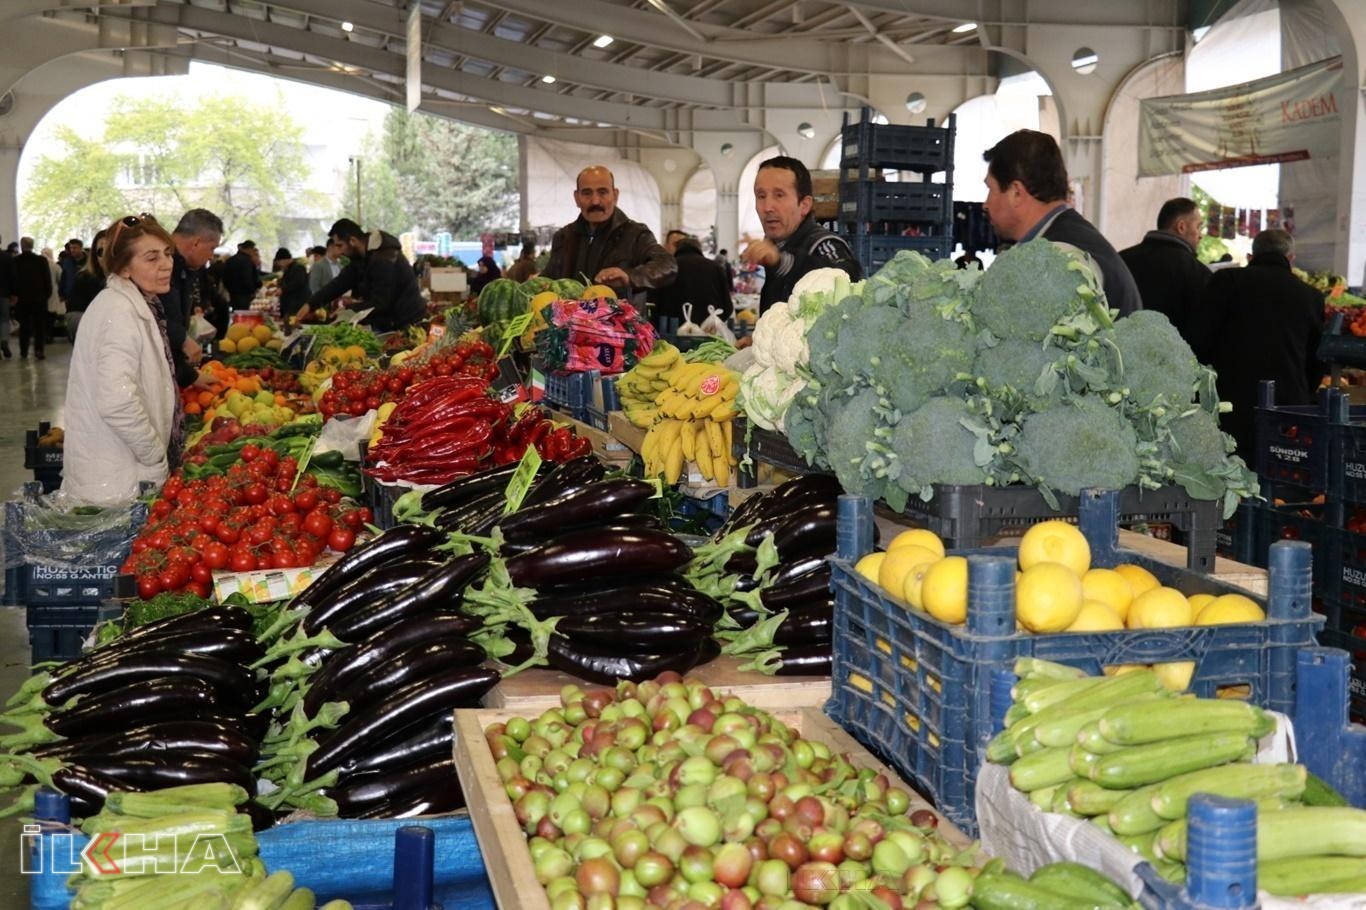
<point>602,41</point>
<point>548,79</point>
<point>964,28</point>
<point>347,26</point>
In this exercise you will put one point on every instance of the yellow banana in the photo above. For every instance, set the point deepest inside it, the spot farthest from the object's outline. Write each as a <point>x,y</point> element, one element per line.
<point>668,434</point>
<point>727,435</point>
<point>673,462</point>
<point>689,442</point>
<point>716,440</point>
<point>721,467</point>
<point>729,389</point>
<point>703,458</point>
<point>724,415</point>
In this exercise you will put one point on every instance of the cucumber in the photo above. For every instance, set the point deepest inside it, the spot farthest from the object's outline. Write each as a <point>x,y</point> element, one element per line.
<point>1135,724</point>
<point>1001,892</point>
<point>1236,781</point>
<point>1090,739</point>
<point>1076,880</point>
<point>1318,792</point>
<point>1045,768</point>
<point>1307,874</point>
<point>1152,763</point>
<point>1082,762</point>
<point>1087,797</point>
<point>1134,813</point>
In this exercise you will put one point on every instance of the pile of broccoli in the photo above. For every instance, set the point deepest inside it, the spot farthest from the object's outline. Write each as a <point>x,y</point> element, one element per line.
<point>929,374</point>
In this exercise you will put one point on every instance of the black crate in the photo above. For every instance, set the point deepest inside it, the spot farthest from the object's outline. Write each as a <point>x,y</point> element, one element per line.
<point>1307,445</point>
<point>875,251</point>
<point>1306,521</point>
<point>925,149</point>
<point>877,201</point>
<point>58,633</point>
<point>763,446</point>
<point>39,585</point>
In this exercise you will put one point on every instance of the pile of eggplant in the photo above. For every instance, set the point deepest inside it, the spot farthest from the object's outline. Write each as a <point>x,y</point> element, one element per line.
<point>167,704</point>
<point>369,664</point>
<point>767,564</point>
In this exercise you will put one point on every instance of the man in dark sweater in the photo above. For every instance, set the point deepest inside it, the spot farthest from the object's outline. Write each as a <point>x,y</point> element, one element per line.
<point>700,282</point>
<point>1255,323</point>
<point>1169,277</point>
<point>378,274</point>
<point>1027,198</point>
<point>242,275</point>
<point>32,287</point>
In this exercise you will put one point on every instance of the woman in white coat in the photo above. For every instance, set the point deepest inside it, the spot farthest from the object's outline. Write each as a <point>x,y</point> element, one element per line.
<point>123,417</point>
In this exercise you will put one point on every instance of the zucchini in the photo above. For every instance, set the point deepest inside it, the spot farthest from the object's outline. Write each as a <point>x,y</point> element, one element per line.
<point>1082,762</point>
<point>1109,691</point>
<point>1307,874</point>
<point>1003,892</point>
<point>1152,763</point>
<point>1134,813</point>
<point>1076,880</point>
<point>1060,804</point>
<point>1063,731</point>
<point>1090,798</point>
<point>1145,845</point>
<point>1036,666</point>
<point>1051,692</point>
<point>1171,841</point>
<point>1235,781</point>
<point>1135,724</point>
<point>1043,799</point>
<point>1089,738</point>
<point>1300,831</point>
<point>1014,714</point>
<point>1318,792</point>
<point>1045,768</point>
<point>1102,822</point>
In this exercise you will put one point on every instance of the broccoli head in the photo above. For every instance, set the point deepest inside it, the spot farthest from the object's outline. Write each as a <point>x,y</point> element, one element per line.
<point>1156,361</point>
<point>1078,444</point>
<point>888,285</point>
<point>932,445</point>
<point>853,423</point>
<point>804,426</point>
<point>1031,288</point>
<point>1197,440</point>
<point>1014,363</point>
<point>824,335</point>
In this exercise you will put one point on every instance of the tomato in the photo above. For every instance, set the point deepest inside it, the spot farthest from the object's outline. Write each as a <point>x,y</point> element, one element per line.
<point>256,535</point>
<point>160,539</point>
<point>250,452</point>
<point>255,493</point>
<point>208,522</point>
<point>405,374</point>
<point>291,523</point>
<point>318,523</point>
<point>357,408</point>
<point>341,539</point>
<point>173,485</point>
<point>174,577</point>
<point>280,504</point>
<point>330,495</point>
<point>200,572</point>
<point>270,457</point>
<point>366,516</point>
<point>229,533</point>
<point>148,586</point>
<point>351,519</point>
<point>216,556</point>
<point>306,500</point>
<point>140,544</point>
<point>160,509</point>
<point>242,561</point>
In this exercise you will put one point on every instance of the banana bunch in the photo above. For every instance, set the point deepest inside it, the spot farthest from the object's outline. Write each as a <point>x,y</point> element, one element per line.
<point>694,424</point>
<point>640,386</point>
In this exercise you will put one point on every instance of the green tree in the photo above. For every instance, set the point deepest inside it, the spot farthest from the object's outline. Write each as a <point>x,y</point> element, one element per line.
<point>241,160</point>
<point>74,194</point>
<point>381,205</point>
<point>452,177</point>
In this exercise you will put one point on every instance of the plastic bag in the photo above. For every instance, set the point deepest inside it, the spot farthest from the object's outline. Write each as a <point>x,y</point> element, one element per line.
<point>603,335</point>
<point>201,329</point>
<point>55,531</point>
<point>715,325</point>
<point>689,327</point>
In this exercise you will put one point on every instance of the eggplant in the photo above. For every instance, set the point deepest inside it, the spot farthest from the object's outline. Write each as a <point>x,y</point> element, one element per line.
<point>785,499</point>
<point>790,571</point>
<point>608,669</point>
<point>403,540</point>
<point>807,532</point>
<point>799,591</point>
<point>809,625</point>
<point>418,662</point>
<point>234,645</point>
<point>457,519</point>
<point>598,554</point>
<point>648,597</point>
<point>164,769</point>
<point>594,504</point>
<point>219,736</point>
<point>432,740</point>
<point>637,522</point>
<point>742,563</point>
<point>441,588</point>
<point>362,791</point>
<point>636,631</point>
<point>341,670</point>
<point>606,587</point>
<point>380,582</point>
<point>87,789</point>
<point>408,707</point>
<point>810,660</point>
<point>471,486</point>
<point>218,617</point>
<point>741,515</point>
<point>157,699</point>
<point>417,804</point>
<point>564,478</point>
<point>234,682</point>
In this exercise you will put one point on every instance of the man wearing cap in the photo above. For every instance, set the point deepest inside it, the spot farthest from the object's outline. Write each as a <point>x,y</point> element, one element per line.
<point>242,275</point>
<point>603,245</point>
<point>378,274</point>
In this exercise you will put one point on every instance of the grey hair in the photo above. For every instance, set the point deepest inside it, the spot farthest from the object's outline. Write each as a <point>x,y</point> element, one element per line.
<point>199,223</point>
<point>1273,241</point>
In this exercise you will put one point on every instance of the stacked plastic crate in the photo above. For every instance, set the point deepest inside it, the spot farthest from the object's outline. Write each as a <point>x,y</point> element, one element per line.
<point>1311,460</point>
<point>881,217</point>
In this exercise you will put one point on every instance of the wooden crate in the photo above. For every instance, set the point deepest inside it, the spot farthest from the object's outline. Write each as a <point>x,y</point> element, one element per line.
<point>606,446</point>
<point>625,432</point>
<point>532,691</point>
<point>506,856</point>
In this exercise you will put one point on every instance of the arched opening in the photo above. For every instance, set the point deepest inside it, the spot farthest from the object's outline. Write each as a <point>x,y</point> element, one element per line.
<point>1020,102</point>
<point>698,205</point>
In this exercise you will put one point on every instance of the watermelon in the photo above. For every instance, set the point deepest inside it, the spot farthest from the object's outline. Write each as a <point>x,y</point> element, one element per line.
<point>500,300</point>
<point>533,286</point>
<point>569,289</point>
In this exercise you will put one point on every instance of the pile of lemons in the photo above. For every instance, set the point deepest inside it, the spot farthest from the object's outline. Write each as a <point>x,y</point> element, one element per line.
<point>1056,589</point>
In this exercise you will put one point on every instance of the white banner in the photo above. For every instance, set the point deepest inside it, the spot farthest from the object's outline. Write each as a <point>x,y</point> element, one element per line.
<point>1292,116</point>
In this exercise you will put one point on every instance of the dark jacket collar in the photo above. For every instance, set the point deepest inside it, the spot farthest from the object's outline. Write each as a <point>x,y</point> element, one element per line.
<point>1168,238</point>
<point>794,240</point>
<point>1271,260</point>
<point>617,220</point>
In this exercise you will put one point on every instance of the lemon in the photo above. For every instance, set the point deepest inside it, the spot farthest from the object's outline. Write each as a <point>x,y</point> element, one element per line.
<point>262,333</point>
<point>1096,617</point>
<point>918,537</point>
<point>915,582</point>
<point>1110,588</point>
<point>1048,597</point>
<point>944,590</point>
<point>868,565</point>
<point>1055,541</point>
<point>897,564</point>
<point>1230,608</point>
<point>594,291</point>
<point>1159,608</point>
<point>1176,675</point>
<point>1121,669</point>
<point>1139,578</point>
<point>227,346</point>
<point>1199,602</point>
<point>238,330</point>
<point>248,343</point>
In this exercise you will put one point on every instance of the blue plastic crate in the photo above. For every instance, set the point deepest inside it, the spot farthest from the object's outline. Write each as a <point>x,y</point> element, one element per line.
<point>904,202</point>
<point>42,585</point>
<point>1291,521</point>
<point>334,858</point>
<point>58,633</point>
<point>610,401</point>
<point>1328,744</point>
<point>918,690</point>
<point>918,148</point>
<point>873,251</point>
<point>381,498</point>
<point>1302,444</point>
<point>571,393</point>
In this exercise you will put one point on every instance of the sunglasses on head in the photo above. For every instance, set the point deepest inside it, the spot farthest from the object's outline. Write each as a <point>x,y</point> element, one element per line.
<point>131,221</point>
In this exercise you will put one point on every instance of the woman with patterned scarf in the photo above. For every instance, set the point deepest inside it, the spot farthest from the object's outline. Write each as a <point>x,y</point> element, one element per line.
<point>123,414</point>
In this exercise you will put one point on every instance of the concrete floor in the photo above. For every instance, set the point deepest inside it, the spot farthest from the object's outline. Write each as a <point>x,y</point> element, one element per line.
<point>30,391</point>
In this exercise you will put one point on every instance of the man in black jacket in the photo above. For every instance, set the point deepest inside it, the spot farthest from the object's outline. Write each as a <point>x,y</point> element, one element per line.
<point>1260,322</point>
<point>1169,277</point>
<point>32,288</point>
<point>6,301</point>
<point>603,245</point>
<point>378,274</point>
<point>700,281</point>
<point>793,243</point>
<point>242,275</point>
<point>1027,198</point>
<point>195,236</point>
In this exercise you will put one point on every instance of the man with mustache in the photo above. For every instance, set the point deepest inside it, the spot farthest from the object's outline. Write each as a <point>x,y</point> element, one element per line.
<point>603,246</point>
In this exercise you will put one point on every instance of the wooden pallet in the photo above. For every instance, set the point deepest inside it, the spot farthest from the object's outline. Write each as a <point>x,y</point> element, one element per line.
<point>532,691</point>
<point>506,856</point>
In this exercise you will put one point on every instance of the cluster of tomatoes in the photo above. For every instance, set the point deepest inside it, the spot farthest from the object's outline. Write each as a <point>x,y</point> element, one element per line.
<point>354,392</point>
<point>252,517</point>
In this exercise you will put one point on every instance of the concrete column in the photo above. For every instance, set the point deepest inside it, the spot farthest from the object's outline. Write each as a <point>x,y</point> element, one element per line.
<point>727,217</point>
<point>671,168</point>
<point>1349,258</point>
